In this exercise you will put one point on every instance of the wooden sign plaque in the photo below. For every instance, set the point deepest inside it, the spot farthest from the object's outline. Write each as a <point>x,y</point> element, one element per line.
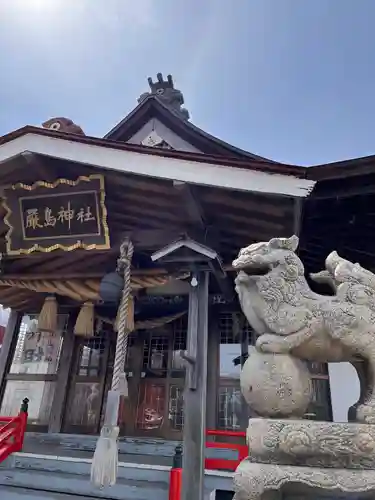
<point>64,215</point>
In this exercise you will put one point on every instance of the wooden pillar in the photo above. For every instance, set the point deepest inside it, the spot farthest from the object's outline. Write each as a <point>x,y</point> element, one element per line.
<point>62,382</point>
<point>196,390</point>
<point>297,216</point>
<point>244,420</point>
<point>212,367</point>
<point>9,343</point>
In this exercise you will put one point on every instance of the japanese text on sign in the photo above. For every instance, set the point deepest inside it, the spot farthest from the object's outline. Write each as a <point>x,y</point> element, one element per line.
<point>64,214</point>
<point>34,219</point>
<point>60,215</point>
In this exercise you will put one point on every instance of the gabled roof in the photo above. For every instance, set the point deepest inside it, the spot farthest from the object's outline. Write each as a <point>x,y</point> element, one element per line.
<point>153,107</point>
<point>155,195</point>
<point>342,169</point>
<point>194,168</point>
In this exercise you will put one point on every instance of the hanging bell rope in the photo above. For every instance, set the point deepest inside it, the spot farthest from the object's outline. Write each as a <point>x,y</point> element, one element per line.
<point>129,317</point>
<point>105,460</point>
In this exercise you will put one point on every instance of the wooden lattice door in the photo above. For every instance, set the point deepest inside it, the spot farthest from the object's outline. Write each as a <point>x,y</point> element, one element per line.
<point>87,384</point>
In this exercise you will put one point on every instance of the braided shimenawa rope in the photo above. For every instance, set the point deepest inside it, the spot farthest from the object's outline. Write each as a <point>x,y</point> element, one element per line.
<point>123,267</point>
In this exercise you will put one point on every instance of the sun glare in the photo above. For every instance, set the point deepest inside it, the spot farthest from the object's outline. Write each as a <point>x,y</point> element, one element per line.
<point>42,4</point>
<point>34,5</point>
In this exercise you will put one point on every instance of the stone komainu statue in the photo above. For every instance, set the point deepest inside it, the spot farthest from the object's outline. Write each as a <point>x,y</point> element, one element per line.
<point>290,318</point>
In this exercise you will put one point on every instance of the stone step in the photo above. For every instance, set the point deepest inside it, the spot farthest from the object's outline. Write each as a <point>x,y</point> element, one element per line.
<point>150,451</point>
<point>83,446</point>
<point>77,485</point>
<point>11,493</point>
<point>78,466</point>
<point>14,493</point>
<point>70,476</point>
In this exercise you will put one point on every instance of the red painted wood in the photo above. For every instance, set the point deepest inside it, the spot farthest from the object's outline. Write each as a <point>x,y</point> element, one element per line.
<point>12,433</point>
<point>175,484</point>
<point>241,434</point>
<point>222,463</point>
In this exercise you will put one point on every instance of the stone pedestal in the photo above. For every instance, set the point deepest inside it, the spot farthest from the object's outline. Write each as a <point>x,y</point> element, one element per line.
<point>303,459</point>
<point>294,459</point>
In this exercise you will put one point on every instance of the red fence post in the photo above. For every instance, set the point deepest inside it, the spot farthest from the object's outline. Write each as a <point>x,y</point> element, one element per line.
<point>175,482</point>
<point>23,422</point>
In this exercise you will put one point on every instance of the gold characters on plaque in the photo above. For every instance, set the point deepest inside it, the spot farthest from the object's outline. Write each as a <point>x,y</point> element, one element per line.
<point>36,218</point>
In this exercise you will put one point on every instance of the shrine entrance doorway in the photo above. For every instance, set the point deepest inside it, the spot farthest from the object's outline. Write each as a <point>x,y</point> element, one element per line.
<point>154,406</point>
<point>156,377</point>
<point>87,385</point>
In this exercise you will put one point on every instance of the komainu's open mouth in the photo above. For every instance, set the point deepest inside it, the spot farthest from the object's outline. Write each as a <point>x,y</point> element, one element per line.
<point>256,270</point>
<point>251,268</point>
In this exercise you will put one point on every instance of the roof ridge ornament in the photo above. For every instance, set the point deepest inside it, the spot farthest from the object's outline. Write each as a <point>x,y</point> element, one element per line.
<point>168,95</point>
<point>62,124</point>
<point>153,139</point>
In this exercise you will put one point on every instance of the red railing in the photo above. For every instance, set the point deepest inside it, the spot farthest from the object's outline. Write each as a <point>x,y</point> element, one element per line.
<point>224,463</point>
<point>175,485</point>
<point>12,432</point>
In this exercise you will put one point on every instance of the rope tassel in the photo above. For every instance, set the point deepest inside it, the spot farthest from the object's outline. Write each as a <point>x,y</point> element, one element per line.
<point>105,460</point>
<point>47,321</point>
<point>84,326</point>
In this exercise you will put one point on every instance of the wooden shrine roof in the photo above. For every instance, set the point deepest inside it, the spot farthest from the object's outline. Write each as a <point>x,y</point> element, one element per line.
<point>153,107</point>
<point>153,211</point>
<point>266,166</point>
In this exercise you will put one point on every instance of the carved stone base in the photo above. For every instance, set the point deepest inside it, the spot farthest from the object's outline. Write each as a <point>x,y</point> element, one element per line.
<point>318,444</point>
<point>254,481</point>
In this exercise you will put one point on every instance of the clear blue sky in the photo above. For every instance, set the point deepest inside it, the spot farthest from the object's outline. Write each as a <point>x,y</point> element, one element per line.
<point>292,80</point>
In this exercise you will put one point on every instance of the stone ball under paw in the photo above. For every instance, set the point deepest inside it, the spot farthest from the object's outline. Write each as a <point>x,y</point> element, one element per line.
<point>276,385</point>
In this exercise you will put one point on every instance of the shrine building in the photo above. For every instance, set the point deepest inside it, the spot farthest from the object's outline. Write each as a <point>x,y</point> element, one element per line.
<point>187,201</point>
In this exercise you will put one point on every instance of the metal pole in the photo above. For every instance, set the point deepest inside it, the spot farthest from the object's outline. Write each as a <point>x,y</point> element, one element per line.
<point>195,390</point>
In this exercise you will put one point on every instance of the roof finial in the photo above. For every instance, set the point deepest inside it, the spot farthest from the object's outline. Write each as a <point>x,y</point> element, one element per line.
<point>63,125</point>
<point>165,91</point>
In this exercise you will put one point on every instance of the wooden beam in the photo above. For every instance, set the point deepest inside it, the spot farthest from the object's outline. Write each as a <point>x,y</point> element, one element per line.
<point>146,185</point>
<point>345,191</point>
<point>8,346</point>
<point>117,208</point>
<point>139,190</point>
<point>42,256</point>
<point>83,275</point>
<point>213,363</point>
<point>297,216</point>
<point>252,223</point>
<point>38,165</point>
<point>192,205</point>
<point>195,395</point>
<point>62,383</point>
<point>162,165</point>
<point>197,217</point>
<point>150,238</point>
<point>274,207</point>
<point>50,276</point>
